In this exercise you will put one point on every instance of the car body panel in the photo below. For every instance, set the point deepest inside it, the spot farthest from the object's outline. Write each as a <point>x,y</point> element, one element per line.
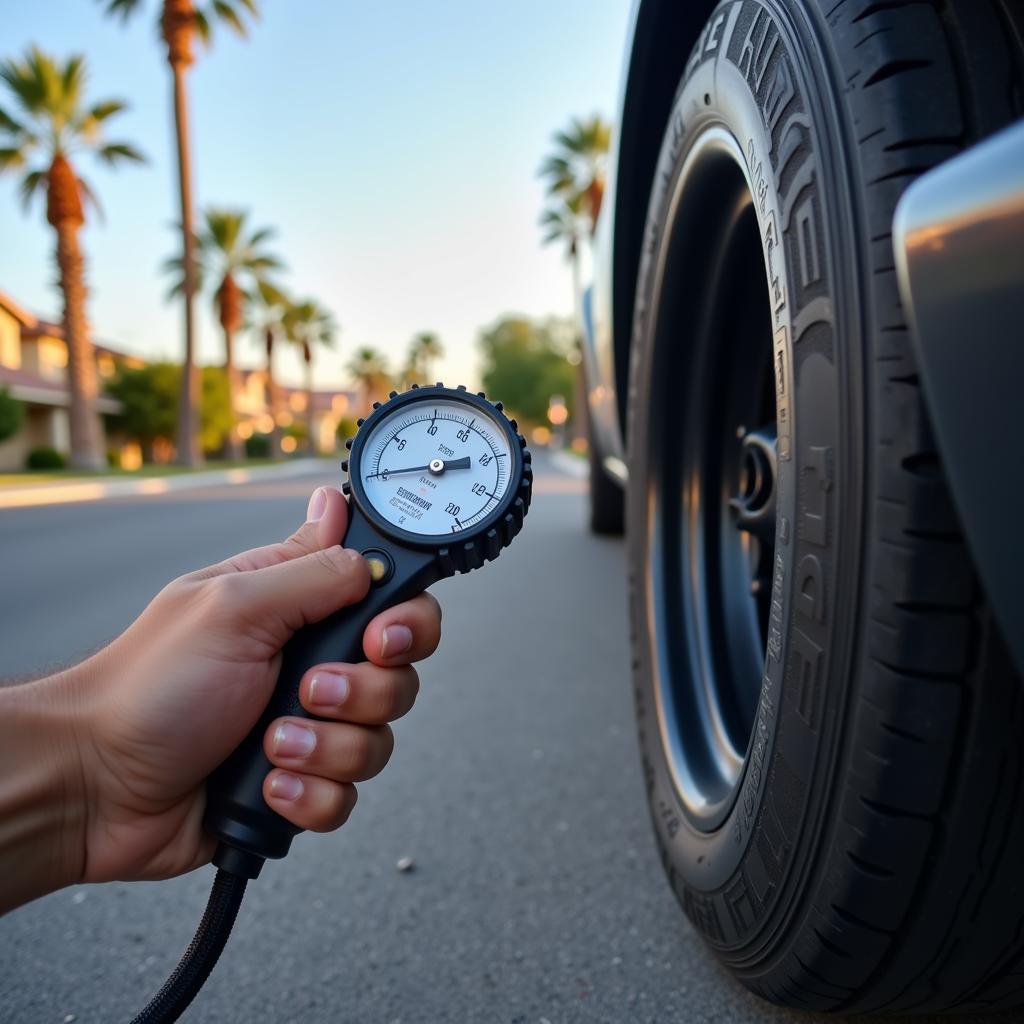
<point>660,37</point>
<point>958,235</point>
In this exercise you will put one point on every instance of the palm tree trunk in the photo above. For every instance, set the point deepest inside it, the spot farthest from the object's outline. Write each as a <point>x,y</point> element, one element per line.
<point>578,426</point>
<point>272,397</point>
<point>309,404</point>
<point>235,448</point>
<point>85,427</point>
<point>188,407</point>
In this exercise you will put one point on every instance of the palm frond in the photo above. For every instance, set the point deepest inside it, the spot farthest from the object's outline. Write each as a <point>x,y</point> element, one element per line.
<point>90,196</point>
<point>260,236</point>
<point>270,295</point>
<point>8,124</point>
<point>112,152</point>
<point>30,184</point>
<point>107,108</point>
<point>11,158</point>
<point>122,9</point>
<point>226,13</point>
<point>263,263</point>
<point>72,84</point>
<point>203,29</point>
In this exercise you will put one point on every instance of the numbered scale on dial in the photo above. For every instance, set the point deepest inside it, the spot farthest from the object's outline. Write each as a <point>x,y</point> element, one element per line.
<point>437,468</point>
<point>441,467</point>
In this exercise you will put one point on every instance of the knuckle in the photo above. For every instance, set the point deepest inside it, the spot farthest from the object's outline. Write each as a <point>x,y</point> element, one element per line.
<point>335,808</point>
<point>400,690</point>
<point>358,750</point>
<point>332,560</point>
<point>344,563</point>
<point>223,593</point>
<point>388,696</point>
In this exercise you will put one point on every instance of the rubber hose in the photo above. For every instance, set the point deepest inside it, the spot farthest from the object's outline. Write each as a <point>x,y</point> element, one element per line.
<point>194,968</point>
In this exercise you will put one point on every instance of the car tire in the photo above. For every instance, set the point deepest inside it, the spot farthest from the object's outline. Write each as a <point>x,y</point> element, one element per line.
<point>829,723</point>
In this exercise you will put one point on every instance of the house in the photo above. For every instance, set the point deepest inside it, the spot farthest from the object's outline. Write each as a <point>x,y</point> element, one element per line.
<point>33,368</point>
<point>256,417</point>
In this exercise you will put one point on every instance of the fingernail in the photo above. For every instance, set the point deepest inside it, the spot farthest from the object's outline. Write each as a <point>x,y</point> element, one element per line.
<point>396,640</point>
<point>317,505</point>
<point>292,740</point>
<point>328,689</point>
<point>286,787</point>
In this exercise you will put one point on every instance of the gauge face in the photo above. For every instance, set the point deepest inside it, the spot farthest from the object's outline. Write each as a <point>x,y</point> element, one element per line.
<point>435,467</point>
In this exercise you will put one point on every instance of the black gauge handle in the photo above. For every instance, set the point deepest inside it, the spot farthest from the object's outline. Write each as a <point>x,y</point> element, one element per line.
<point>236,813</point>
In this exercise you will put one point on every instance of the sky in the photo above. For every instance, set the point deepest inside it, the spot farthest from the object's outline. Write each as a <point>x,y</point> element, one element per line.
<point>394,144</point>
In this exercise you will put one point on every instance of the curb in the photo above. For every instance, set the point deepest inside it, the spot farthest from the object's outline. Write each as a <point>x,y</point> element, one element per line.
<point>97,490</point>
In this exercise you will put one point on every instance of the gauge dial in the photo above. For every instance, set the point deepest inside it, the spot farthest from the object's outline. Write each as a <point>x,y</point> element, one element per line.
<point>436,467</point>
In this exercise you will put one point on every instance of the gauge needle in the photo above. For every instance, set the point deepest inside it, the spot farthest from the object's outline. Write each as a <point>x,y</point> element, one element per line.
<point>437,467</point>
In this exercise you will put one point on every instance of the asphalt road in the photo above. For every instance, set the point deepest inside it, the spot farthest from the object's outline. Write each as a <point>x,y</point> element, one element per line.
<point>536,895</point>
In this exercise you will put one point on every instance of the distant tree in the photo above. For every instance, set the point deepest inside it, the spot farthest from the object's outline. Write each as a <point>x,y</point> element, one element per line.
<point>12,415</point>
<point>216,417</point>
<point>309,325</point>
<point>524,364</point>
<point>149,405</point>
<point>53,122</point>
<point>424,349</point>
<point>369,369</point>
<point>267,318</point>
<point>180,22</point>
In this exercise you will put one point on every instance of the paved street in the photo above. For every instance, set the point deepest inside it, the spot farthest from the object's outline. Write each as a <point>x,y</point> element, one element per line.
<point>536,894</point>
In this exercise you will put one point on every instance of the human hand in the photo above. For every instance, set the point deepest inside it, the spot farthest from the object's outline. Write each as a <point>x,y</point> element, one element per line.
<point>149,717</point>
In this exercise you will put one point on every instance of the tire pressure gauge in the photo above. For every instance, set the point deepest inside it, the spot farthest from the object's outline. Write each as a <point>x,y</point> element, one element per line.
<point>440,469</point>
<point>439,481</point>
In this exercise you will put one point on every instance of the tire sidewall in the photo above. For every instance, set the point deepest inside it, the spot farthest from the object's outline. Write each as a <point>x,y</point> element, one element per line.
<point>730,881</point>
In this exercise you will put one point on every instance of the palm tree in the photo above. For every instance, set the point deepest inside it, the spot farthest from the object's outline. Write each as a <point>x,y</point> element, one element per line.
<point>576,170</point>
<point>424,348</point>
<point>54,123</point>
<point>564,221</point>
<point>307,324</point>
<point>266,317</point>
<point>369,368</point>
<point>576,173</point>
<point>180,21</point>
<point>236,260</point>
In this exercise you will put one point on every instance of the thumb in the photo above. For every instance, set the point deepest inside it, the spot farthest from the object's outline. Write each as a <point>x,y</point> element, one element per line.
<point>325,525</point>
<point>302,590</point>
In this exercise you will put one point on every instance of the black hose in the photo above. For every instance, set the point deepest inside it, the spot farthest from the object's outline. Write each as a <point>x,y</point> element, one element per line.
<point>194,968</point>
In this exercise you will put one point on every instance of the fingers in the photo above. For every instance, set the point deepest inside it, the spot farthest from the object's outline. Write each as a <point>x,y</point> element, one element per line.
<point>297,592</point>
<point>403,634</point>
<point>325,525</point>
<point>338,751</point>
<point>309,802</point>
<point>365,694</point>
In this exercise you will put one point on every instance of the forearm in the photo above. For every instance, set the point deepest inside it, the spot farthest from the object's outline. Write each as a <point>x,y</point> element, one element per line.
<point>43,806</point>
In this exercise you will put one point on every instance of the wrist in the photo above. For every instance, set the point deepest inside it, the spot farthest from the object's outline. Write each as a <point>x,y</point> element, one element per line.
<point>44,800</point>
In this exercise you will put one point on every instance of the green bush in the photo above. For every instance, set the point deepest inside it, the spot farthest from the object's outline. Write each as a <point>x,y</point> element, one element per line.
<point>346,428</point>
<point>45,458</point>
<point>113,458</point>
<point>258,446</point>
<point>12,413</point>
